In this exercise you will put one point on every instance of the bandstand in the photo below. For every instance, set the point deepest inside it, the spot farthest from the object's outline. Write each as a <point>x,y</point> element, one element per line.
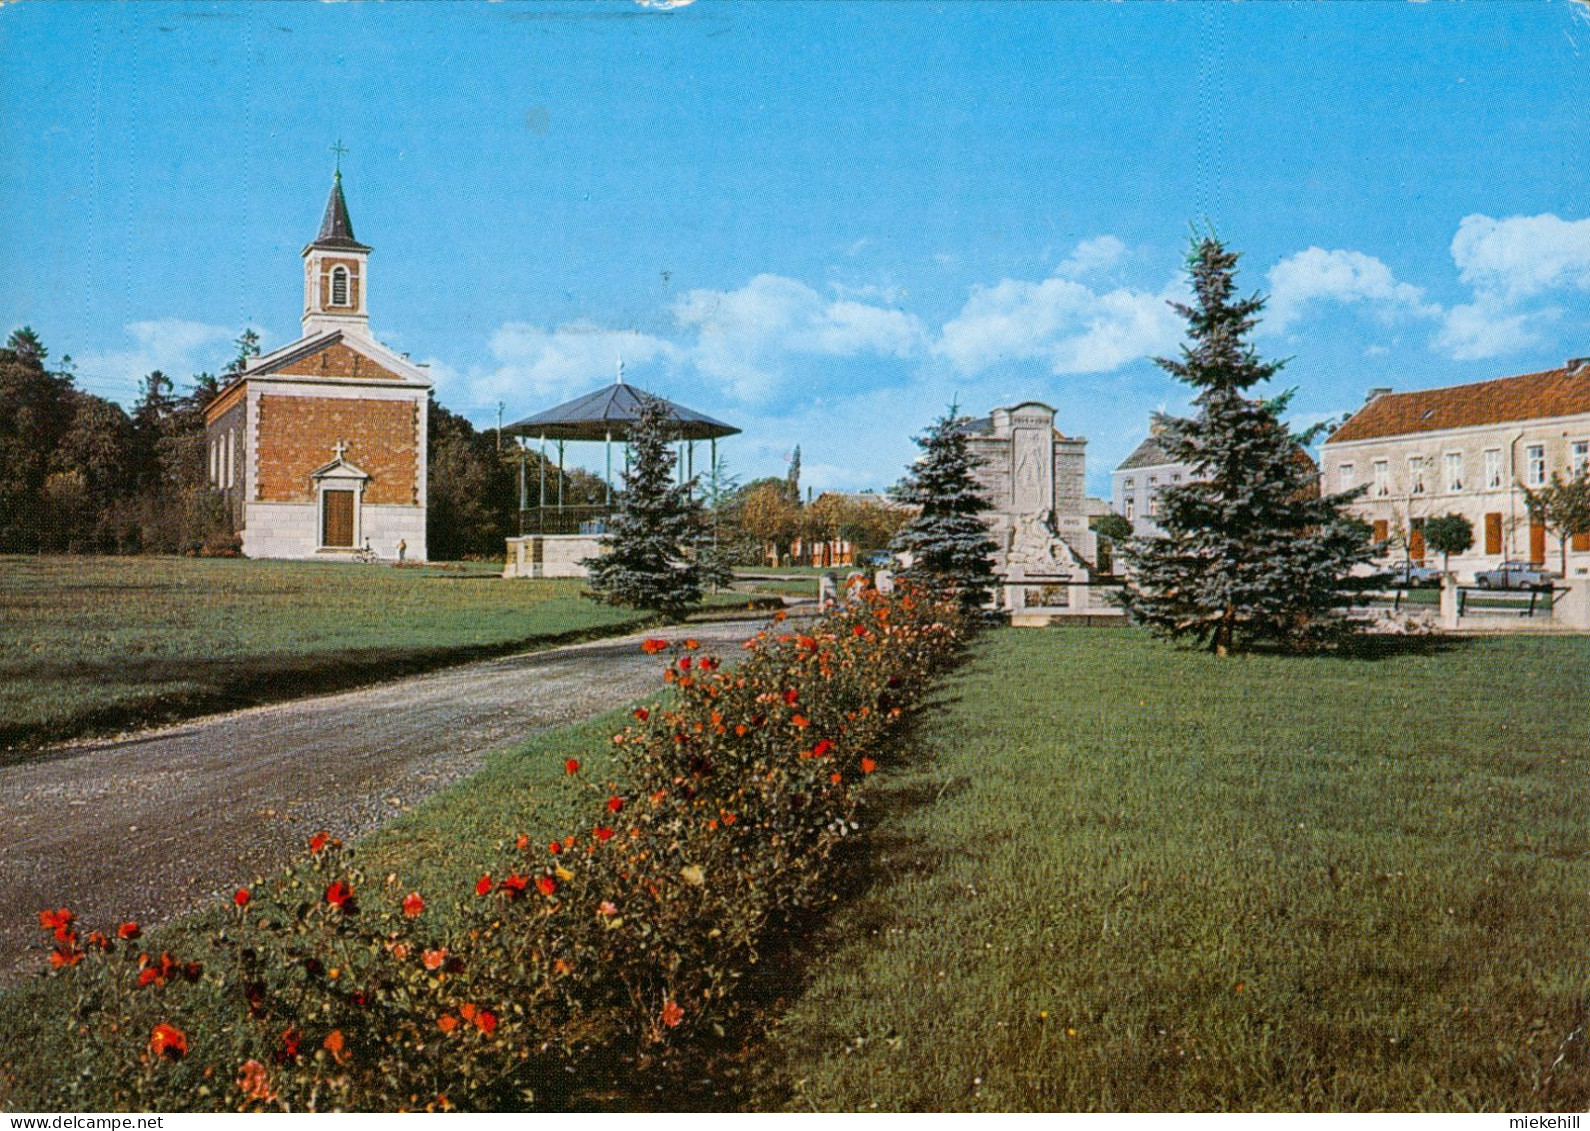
<point>553,535</point>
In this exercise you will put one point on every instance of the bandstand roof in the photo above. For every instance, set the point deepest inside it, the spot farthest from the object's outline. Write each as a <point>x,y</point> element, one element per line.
<point>611,412</point>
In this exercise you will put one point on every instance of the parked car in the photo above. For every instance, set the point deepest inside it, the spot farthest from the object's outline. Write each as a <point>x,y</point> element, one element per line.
<point>879,559</point>
<point>1515,575</point>
<point>1406,575</point>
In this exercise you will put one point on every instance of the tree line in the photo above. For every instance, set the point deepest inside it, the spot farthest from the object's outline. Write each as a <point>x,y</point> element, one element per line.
<point>80,474</point>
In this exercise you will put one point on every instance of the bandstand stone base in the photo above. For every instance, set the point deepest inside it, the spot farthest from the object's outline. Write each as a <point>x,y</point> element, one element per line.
<point>551,555</point>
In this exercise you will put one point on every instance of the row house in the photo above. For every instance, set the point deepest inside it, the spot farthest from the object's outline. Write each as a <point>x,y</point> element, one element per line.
<point>1468,450</point>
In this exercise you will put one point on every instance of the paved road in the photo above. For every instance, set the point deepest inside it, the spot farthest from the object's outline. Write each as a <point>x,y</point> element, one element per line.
<point>152,825</point>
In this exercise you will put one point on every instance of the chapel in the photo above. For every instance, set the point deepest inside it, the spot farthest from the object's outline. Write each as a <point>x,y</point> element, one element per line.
<point>319,446</point>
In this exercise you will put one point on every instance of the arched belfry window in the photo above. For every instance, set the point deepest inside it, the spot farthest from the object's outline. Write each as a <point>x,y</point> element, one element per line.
<point>339,286</point>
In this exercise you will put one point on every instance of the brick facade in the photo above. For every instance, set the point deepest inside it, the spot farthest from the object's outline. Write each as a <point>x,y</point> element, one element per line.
<point>297,434</point>
<point>337,360</point>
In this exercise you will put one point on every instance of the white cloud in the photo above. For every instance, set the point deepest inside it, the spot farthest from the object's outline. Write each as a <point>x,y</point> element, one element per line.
<point>176,347</point>
<point>537,363</point>
<point>1489,328</point>
<point>1098,254</point>
<point>1522,256</point>
<point>1316,275</point>
<point>1066,325</point>
<point>744,336</point>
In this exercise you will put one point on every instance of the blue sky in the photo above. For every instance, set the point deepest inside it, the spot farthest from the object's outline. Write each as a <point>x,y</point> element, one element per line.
<point>820,222</point>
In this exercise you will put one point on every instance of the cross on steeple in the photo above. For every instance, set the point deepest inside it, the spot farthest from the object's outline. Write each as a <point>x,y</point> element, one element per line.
<point>620,369</point>
<point>339,149</point>
<point>339,447</point>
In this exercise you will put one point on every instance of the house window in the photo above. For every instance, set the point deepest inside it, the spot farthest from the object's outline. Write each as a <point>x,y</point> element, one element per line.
<point>1535,462</point>
<point>1130,508</point>
<point>1344,477</point>
<point>1175,477</point>
<point>1153,503</point>
<point>1382,477</point>
<point>1129,484</point>
<point>1454,472</point>
<point>1493,469</point>
<point>1415,475</point>
<point>1579,458</point>
<point>1382,532</point>
<point>339,286</point>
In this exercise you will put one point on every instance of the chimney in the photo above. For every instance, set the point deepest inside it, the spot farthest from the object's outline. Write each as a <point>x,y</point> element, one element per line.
<point>1376,393</point>
<point>1577,365</point>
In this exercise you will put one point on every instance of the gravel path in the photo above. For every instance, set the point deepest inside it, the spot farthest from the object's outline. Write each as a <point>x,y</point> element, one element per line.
<point>151,825</point>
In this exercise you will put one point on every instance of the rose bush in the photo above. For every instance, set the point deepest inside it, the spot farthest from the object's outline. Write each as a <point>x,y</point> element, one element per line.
<point>332,989</point>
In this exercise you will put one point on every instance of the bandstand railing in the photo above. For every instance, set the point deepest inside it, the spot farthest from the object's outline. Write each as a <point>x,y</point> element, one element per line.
<point>565,520</point>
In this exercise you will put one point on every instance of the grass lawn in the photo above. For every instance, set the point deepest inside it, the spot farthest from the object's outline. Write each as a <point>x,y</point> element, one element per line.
<point>96,643</point>
<point>1124,877</point>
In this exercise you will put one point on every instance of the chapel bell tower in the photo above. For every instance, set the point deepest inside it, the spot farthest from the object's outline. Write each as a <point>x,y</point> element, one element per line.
<point>335,273</point>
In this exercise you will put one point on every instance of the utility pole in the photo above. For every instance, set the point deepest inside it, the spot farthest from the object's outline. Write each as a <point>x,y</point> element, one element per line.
<point>499,428</point>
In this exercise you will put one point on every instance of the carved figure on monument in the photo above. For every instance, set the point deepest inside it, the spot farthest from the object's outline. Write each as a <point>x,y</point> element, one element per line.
<point>1035,548</point>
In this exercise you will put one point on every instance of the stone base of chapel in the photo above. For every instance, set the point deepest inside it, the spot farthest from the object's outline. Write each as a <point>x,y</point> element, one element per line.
<point>291,530</point>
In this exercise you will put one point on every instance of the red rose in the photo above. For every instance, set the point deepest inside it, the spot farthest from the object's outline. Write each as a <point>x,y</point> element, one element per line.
<point>615,804</point>
<point>602,832</point>
<point>642,714</point>
<point>339,895</point>
<point>486,1021</point>
<point>672,1014</point>
<point>413,905</point>
<point>168,1041</point>
<point>572,766</point>
<point>868,765</point>
<point>483,885</point>
<point>546,885</point>
<point>241,897</point>
<point>317,843</point>
<point>128,931</point>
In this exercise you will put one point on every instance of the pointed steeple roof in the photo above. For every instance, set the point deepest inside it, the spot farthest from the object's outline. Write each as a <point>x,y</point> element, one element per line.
<point>336,230</point>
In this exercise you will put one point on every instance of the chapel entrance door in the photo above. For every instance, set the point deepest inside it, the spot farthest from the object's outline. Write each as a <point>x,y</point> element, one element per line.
<point>336,528</point>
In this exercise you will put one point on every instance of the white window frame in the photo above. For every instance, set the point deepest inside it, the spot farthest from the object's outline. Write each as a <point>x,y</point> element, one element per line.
<point>1493,469</point>
<point>1454,472</point>
<point>1382,473</point>
<point>1535,465</point>
<point>1578,457</point>
<point>1415,475</point>
<point>1130,508</point>
<point>1345,477</point>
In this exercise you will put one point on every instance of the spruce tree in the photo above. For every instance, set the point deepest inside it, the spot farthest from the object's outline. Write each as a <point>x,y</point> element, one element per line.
<point>948,541</point>
<point>646,564</point>
<point>1252,551</point>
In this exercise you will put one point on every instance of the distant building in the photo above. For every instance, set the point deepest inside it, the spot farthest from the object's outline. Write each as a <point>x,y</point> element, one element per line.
<point>1469,450</point>
<point>320,445</point>
<point>1137,482</point>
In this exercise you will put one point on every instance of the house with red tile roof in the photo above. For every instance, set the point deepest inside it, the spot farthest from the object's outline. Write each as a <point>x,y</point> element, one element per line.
<point>1468,450</point>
